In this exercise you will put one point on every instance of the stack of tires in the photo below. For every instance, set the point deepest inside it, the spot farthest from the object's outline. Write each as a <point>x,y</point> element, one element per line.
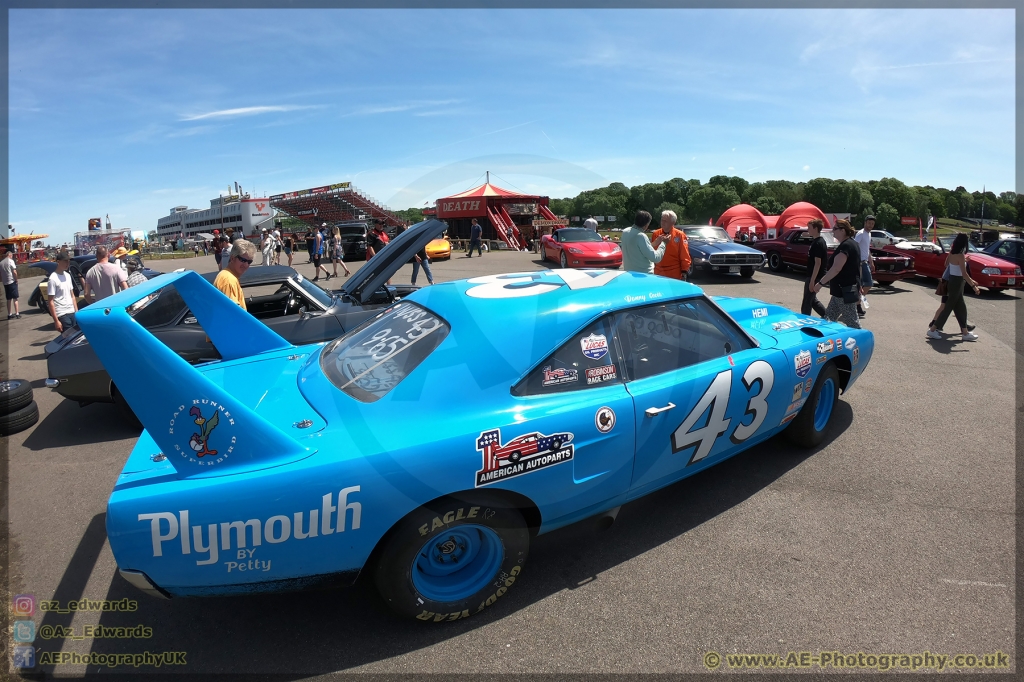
<point>17,409</point>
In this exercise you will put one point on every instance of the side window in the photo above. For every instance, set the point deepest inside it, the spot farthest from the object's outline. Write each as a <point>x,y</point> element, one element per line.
<point>1006,249</point>
<point>586,360</point>
<point>667,337</point>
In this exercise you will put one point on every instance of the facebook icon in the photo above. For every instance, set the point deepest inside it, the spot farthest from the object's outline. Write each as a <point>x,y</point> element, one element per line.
<point>24,657</point>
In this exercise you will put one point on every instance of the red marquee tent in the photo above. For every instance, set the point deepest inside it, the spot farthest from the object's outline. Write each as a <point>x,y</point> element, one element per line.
<point>494,207</point>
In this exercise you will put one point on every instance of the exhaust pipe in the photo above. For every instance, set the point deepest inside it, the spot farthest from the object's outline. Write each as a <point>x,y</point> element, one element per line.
<point>606,519</point>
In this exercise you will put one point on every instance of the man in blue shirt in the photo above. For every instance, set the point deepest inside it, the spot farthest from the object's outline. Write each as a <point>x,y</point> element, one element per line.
<point>475,239</point>
<point>638,253</point>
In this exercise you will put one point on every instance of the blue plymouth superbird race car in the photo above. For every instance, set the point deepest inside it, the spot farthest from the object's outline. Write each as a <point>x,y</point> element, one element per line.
<point>430,444</point>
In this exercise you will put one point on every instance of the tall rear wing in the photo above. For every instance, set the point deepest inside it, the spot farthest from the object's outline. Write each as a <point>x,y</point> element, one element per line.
<point>201,428</point>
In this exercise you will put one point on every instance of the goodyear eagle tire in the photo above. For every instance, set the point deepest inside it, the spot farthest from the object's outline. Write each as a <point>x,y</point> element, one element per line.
<point>14,395</point>
<point>810,426</point>
<point>19,420</point>
<point>452,558</point>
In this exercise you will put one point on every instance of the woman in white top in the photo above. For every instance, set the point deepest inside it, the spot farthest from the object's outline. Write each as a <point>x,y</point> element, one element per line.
<point>956,261</point>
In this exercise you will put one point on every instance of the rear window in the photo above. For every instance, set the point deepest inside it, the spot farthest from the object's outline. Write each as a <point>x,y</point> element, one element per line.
<point>158,309</point>
<point>375,357</point>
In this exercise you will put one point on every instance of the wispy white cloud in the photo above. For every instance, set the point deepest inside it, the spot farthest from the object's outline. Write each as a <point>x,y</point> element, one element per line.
<point>189,132</point>
<point>247,111</point>
<point>373,109</point>
<point>443,112</point>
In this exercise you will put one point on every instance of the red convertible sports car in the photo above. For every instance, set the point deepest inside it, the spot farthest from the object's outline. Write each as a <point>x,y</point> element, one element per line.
<point>988,271</point>
<point>791,250</point>
<point>576,247</point>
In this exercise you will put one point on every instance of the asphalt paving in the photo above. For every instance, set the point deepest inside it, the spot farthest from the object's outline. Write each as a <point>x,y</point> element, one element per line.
<point>895,536</point>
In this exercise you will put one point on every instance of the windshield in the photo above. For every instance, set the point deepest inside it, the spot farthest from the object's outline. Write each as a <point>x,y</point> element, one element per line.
<point>947,244</point>
<point>352,230</point>
<point>709,233</point>
<point>374,358</point>
<point>569,235</point>
<point>314,292</point>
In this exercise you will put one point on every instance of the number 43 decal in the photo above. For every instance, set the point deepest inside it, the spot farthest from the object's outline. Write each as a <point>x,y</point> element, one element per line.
<point>717,399</point>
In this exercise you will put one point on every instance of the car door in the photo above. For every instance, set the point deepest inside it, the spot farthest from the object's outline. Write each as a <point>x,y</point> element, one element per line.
<point>928,261</point>
<point>798,244</point>
<point>700,389</point>
<point>576,397</point>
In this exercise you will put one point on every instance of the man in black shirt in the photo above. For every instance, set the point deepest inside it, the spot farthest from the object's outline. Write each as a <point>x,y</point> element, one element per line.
<point>843,277</point>
<point>817,256</point>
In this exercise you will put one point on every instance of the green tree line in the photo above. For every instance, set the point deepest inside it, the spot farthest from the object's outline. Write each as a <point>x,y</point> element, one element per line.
<point>888,199</point>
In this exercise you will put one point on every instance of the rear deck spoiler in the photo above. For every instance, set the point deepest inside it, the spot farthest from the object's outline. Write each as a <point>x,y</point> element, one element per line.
<point>201,427</point>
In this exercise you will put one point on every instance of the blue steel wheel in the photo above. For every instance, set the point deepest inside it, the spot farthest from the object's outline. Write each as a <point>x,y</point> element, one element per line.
<point>809,427</point>
<point>452,558</point>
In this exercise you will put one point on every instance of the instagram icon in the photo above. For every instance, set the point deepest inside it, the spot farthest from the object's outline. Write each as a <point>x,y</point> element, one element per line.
<point>24,605</point>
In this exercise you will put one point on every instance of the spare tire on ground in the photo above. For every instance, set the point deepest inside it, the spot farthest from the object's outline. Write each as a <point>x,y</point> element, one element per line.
<point>19,420</point>
<point>14,395</point>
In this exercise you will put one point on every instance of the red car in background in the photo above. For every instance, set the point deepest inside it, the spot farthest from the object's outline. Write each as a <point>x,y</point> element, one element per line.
<point>791,250</point>
<point>577,247</point>
<point>988,271</point>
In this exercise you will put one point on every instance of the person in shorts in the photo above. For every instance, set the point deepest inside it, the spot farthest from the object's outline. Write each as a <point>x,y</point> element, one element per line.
<point>866,265</point>
<point>288,246</point>
<point>9,276</point>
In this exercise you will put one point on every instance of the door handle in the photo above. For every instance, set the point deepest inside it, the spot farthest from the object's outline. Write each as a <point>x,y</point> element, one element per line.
<point>655,411</point>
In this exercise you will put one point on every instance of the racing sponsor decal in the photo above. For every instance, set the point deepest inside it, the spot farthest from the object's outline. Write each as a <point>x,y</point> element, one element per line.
<point>604,420</point>
<point>760,312</point>
<point>856,355</point>
<point>802,363</point>
<point>796,324</point>
<point>839,344</point>
<point>521,455</point>
<point>554,377</point>
<point>798,391</point>
<point>821,359</point>
<point>796,405</point>
<point>594,346</point>
<point>851,343</point>
<point>788,418</point>
<point>598,375</point>
<point>204,448</point>
<point>826,346</point>
<point>205,538</point>
<point>808,385</point>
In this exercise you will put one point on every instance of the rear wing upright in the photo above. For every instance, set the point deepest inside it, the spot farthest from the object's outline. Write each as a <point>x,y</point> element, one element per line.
<point>201,427</point>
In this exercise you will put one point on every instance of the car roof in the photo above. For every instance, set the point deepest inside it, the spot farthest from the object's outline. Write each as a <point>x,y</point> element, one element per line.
<point>516,333</point>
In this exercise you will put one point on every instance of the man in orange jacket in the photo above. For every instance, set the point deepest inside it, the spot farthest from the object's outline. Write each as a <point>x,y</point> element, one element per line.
<point>676,263</point>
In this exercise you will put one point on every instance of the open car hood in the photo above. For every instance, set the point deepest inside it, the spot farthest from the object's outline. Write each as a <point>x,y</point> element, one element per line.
<point>386,263</point>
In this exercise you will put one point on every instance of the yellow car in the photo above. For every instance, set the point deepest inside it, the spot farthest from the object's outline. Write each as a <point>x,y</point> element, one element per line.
<point>439,248</point>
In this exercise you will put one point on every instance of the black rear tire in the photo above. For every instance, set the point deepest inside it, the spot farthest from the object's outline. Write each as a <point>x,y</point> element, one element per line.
<point>441,528</point>
<point>14,395</point>
<point>19,420</point>
<point>775,262</point>
<point>803,431</point>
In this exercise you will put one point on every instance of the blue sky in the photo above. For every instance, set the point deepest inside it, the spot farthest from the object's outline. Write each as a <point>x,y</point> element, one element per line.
<point>130,112</point>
